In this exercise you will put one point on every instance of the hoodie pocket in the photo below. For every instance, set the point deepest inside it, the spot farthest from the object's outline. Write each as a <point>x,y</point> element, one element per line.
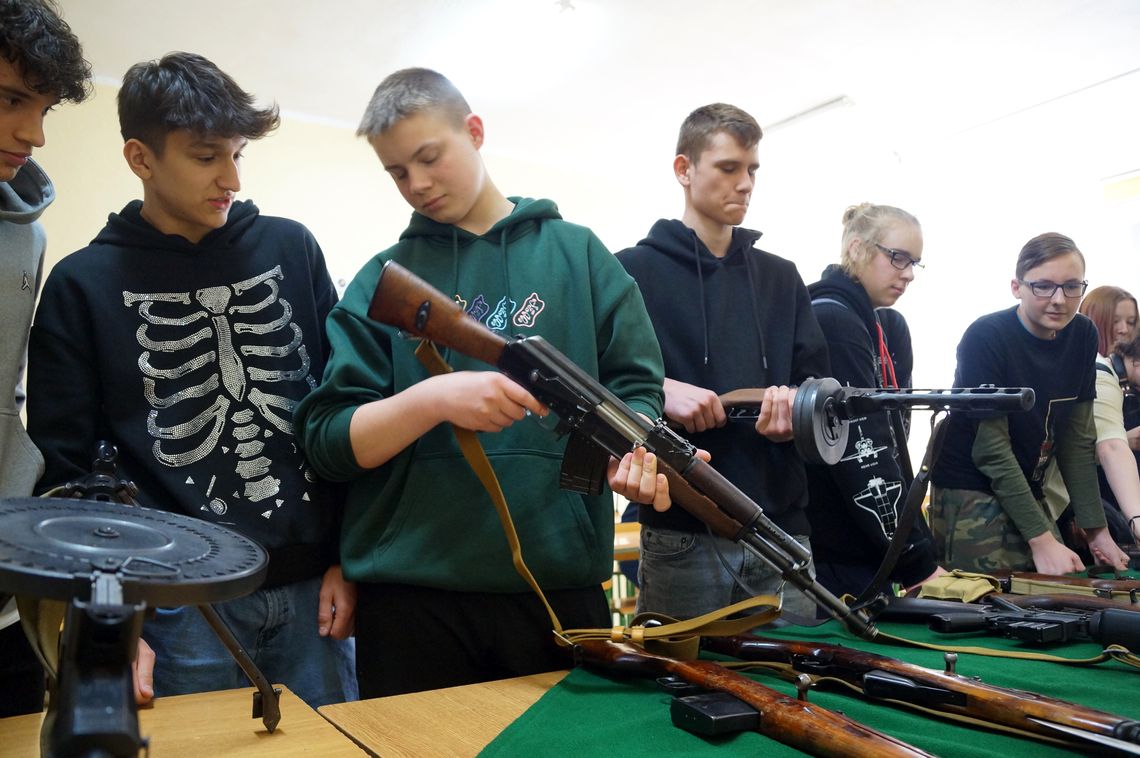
<point>21,464</point>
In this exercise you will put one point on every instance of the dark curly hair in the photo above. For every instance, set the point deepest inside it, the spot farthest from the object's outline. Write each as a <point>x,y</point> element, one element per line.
<point>42,46</point>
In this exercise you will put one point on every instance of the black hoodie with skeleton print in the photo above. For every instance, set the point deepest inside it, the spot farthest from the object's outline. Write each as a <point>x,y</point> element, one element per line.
<point>190,358</point>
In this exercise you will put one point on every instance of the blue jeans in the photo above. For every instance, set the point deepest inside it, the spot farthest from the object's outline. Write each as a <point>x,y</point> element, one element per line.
<point>682,576</point>
<point>278,629</point>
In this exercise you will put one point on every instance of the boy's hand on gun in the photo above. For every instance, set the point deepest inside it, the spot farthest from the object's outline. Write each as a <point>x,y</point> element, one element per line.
<point>696,408</point>
<point>775,420</point>
<point>484,401</point>
<point>635,478</point>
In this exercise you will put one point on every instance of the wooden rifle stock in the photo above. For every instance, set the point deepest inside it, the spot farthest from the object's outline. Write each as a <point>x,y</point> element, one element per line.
<point>943,692</point>
<point>405,301</point>
<point>793,722</point>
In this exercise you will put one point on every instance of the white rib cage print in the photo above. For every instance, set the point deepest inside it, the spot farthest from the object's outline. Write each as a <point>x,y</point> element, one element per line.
<point>210,362</point>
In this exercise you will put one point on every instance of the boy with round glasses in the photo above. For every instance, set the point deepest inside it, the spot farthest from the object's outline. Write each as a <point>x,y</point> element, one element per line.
<point>987,509</point>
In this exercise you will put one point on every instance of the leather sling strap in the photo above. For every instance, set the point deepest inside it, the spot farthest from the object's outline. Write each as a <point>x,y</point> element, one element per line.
<point>662,628</point>
<point>476,458</point>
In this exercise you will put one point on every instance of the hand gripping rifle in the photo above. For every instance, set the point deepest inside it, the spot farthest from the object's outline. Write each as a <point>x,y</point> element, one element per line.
<point>600,425</point>
<point>945,693</point>
<point>793,722</point>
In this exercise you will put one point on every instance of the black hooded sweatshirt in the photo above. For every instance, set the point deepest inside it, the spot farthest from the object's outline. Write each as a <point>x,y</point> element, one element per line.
<point>855,503</point>
<point>729,323</point>
<point>190,357</point>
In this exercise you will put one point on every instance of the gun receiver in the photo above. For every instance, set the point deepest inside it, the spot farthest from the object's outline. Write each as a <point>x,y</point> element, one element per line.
<point>1109,626</point>
<point>597,420</point>
<point>823,409</point>
<point>790,721</point>
<point>944,692</point>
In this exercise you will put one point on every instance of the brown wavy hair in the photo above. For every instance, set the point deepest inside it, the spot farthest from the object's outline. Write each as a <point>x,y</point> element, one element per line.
<point>1100,307</point>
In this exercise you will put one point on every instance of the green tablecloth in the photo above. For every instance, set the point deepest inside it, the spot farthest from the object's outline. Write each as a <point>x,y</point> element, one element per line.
<point>590,714</point>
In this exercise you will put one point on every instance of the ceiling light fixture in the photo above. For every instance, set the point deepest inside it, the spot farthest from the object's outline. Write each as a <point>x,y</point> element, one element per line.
<point>843,101</point>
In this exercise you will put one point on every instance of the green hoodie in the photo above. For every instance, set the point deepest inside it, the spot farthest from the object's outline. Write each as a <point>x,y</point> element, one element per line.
<point>423,518</point>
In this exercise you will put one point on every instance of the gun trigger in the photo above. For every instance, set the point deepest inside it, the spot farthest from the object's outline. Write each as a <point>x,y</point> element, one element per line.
<point>882,684</point>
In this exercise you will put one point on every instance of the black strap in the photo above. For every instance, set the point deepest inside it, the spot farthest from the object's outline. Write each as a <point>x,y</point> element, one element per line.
<point>910,511</point>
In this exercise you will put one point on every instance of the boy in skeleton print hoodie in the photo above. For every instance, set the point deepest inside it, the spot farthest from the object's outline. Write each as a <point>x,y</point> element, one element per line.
<point>185,333</point>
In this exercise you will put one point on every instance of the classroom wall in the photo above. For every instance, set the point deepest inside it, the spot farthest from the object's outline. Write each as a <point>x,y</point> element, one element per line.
<point>1066,166</point>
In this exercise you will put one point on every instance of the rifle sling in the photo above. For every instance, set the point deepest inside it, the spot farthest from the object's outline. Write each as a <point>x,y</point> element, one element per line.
<point>476,458</point>
<point>912,509</point>
<point>1112,652</point>
<point>662,628</point>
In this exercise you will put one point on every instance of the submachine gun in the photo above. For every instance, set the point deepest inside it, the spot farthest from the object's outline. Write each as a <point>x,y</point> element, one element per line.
<point>81,557</point>
<point>600,425</point>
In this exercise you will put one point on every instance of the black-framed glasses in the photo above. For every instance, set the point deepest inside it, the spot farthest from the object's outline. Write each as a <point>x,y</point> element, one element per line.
<point>1046,288</point>
<point>900,259</point>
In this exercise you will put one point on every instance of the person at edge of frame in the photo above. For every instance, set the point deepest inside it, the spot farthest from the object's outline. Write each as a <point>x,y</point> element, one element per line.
<point>987,507</point>
<point>41,65</point>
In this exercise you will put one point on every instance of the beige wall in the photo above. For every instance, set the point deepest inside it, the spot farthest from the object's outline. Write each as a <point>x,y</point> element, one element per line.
<point>318,174</point>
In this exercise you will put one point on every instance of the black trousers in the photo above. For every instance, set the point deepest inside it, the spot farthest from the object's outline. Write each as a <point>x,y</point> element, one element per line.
<point>21,675</point>
<point>410,638</point>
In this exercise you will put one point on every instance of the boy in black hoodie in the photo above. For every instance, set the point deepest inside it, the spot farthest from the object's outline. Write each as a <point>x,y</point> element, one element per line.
<point>185,333</point>
<point>728,316</point>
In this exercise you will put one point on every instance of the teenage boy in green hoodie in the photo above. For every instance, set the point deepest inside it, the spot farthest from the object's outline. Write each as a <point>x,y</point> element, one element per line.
<point>440,603</point>
<point>41,64</point>
<point>185,333</point>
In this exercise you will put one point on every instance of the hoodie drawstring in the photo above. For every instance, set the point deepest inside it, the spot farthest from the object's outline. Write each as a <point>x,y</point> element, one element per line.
<point>756,313</point>
<point>506,268</point>
<point>701,293</point>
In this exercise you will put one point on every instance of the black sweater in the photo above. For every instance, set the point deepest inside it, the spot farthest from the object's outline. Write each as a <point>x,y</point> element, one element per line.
<point>744,320</point>
<point>855,503</point>
<point>190,358</point>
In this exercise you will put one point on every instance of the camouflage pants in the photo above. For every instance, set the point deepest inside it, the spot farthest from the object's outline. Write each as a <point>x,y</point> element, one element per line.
<point>972,532</point>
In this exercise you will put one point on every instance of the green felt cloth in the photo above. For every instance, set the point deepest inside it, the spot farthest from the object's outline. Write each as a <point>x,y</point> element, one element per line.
<point>590,714</point>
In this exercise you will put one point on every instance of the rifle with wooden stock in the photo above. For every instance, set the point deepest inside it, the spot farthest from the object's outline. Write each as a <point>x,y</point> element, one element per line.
<point>793,722</point>
<point>1029,583</point>
<point>600,425</point>
<point>945,693</point>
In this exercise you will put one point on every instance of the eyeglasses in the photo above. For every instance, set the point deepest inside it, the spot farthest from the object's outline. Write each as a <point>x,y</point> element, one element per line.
<point>1046,288</point>
<point>900,259</point>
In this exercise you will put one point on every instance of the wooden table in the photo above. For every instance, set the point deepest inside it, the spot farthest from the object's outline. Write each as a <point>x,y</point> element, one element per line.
<point>209,724</point>
<point>457,721</point>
